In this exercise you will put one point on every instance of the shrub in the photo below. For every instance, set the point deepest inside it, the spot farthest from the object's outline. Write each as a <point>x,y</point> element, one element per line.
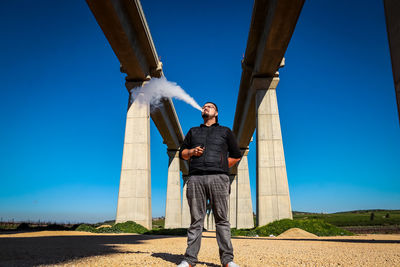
<point>317,227</point>
<point>126,227</point>
<point>86,228</point>
<point>23,226</point>
<point>129,227</point>
<point>243,232</point>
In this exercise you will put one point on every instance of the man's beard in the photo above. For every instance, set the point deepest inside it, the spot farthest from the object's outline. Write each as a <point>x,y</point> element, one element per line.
<point>205,116</point>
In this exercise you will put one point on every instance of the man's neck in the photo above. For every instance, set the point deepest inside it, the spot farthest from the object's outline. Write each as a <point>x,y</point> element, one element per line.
<point>210,122</point>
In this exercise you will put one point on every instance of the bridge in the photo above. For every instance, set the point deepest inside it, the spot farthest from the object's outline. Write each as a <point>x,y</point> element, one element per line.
<point>272,25</point>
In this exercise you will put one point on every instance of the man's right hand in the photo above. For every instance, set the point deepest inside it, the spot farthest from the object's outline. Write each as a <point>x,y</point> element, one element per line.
<point>197,151</point>
<point>188,153</point>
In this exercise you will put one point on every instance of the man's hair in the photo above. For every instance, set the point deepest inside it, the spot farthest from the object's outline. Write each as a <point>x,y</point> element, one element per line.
<point>216,108</point>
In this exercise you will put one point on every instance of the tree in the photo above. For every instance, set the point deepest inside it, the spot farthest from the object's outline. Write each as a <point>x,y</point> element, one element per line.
<point>372,216</point>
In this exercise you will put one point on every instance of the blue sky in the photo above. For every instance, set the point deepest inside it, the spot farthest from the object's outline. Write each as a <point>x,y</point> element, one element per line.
<point>63,104</point>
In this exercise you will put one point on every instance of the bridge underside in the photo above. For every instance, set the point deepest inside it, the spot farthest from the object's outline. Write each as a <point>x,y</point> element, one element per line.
<point>272,25</point>
<point>392,11</point>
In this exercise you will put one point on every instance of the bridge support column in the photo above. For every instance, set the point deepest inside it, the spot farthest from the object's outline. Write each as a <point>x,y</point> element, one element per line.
<point>134,198</point>
<point>173,217</point>
<point>273,200</point>
<point>233,200</point>
<point>185,205</point>
<point>209,221</point>
<point>244,205</point>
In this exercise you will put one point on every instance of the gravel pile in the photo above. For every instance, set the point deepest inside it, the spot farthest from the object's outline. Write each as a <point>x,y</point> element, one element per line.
<point>296,233</point>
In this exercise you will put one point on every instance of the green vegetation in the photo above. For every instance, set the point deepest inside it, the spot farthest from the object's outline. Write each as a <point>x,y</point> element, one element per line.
<point>244,232</point>
<point>354,218</point>
<point>317,227</point>
<point>9,226</point>
<point>327,224</point>
<point>86,228</point>
<point>110,222</point>
<point>126,227</point>
<point>359,221</point>
<point>158,223</point>
<point>131,227</point>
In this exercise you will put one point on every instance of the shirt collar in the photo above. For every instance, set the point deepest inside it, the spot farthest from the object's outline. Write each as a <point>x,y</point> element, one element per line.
<point>212,125</point>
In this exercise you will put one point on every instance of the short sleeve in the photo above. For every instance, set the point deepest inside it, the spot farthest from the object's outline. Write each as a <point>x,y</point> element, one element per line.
<point>233,147</point>
<point>186,143</point>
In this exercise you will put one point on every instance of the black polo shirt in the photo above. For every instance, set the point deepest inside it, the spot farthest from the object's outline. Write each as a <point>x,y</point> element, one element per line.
<point>219,143</point>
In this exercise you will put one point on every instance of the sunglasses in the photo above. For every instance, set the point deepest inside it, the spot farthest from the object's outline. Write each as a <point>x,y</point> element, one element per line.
<point>207,107</point>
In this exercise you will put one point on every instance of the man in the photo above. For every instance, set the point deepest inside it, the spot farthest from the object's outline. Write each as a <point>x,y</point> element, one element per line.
<point>211,150</point>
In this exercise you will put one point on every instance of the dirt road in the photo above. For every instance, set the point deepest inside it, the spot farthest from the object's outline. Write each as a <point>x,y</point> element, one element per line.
<point>69,248</point>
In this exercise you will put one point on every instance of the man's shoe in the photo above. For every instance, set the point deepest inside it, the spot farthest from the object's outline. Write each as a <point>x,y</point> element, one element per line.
<point>184,264</point>
<point>231,264</point>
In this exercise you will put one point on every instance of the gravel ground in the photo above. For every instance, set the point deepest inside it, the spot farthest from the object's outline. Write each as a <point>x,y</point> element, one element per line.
<point>70,248</point>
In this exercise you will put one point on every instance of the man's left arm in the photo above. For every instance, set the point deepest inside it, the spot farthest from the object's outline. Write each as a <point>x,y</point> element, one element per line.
<point>233,149</point>
<point>232,161</point>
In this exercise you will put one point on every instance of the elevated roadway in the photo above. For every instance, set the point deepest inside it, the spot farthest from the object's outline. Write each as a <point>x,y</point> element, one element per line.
<point>392,11</point>
<point>125,27</point>
<point>272,26</point>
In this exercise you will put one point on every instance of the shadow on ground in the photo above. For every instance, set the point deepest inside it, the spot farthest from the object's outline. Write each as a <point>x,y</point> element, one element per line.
<point>176,259</point>
<point>33,251</point>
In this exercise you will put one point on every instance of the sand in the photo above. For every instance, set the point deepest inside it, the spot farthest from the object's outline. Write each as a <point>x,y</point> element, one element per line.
<point>69,248</point>
<point>296,233</point>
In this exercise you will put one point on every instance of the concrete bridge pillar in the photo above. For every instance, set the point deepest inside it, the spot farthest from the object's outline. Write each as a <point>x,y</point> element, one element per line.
<point>134,198</point>
<point>185,205</point>
<point>233,199</point>
<point>173,217</point>
<point>209,221</point>
<point>273,200</point>
<point>244,206</point>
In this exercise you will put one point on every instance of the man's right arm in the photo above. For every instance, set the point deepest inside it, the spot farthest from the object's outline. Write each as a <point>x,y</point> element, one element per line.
<point>185,152</point>
<point>234,152</point>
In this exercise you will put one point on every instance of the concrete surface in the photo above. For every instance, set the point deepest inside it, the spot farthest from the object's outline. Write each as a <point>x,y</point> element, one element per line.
<point>173,211</point>
<point>244,217</point>
<point>134,198</point>
<point>185,206</point>
<point>273,200</point>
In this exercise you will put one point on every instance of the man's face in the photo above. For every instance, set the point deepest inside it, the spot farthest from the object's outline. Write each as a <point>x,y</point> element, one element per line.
<point>209,111</point>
